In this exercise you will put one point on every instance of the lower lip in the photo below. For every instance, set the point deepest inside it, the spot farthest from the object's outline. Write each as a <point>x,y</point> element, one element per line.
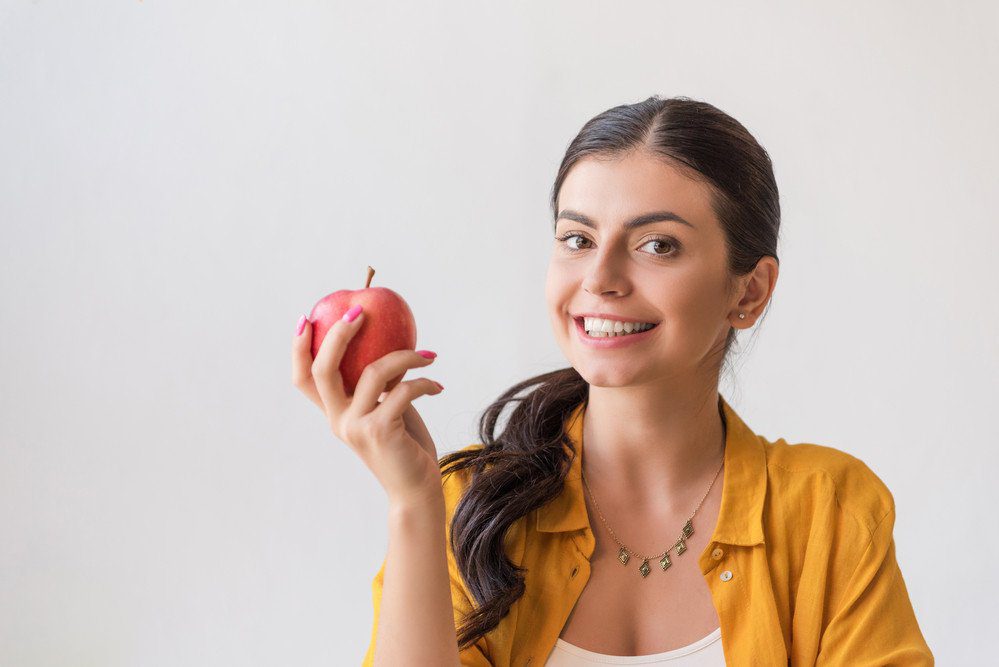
<point>606,342</point>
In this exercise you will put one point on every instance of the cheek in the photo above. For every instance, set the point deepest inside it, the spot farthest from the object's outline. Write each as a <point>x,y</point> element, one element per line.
<point>688,299</point>
<point>557,291</point>
<point>553,301</point>
<point>550,284</point>
<point>695,308</point>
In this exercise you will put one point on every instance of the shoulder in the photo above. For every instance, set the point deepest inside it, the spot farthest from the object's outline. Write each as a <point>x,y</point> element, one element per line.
<point>806,475</point>
<point>455,482</point>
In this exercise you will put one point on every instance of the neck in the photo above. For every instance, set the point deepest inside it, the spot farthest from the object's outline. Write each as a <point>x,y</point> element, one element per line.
<point>652,448</point>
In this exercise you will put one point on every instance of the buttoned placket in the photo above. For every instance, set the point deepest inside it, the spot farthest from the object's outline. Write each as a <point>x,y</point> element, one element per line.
<point>711,566</point>
<point>716,554</point>
<point>730,594</point>
<point>574,580</point>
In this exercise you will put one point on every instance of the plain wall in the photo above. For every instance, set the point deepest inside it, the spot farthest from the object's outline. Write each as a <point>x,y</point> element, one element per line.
<point>180,181</point>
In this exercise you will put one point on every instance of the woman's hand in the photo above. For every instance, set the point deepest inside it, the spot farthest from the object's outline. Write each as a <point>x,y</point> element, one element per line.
<point>388,435</point>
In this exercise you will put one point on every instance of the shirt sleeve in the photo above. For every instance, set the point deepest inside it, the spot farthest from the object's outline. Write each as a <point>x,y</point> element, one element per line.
<point>874,623</point>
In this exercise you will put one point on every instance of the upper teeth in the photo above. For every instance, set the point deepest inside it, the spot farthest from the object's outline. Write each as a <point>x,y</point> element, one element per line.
<point>595,324</point>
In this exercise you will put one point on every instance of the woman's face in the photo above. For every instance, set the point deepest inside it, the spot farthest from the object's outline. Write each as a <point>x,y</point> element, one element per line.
<point>664,272</point>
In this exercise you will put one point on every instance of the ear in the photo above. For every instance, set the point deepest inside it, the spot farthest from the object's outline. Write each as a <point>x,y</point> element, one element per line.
<point>754,292</point>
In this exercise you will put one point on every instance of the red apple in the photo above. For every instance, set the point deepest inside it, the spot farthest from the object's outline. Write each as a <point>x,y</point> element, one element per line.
<point>388,326</point>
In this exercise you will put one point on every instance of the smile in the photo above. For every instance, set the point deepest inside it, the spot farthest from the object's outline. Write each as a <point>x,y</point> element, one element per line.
<point>611,340</point>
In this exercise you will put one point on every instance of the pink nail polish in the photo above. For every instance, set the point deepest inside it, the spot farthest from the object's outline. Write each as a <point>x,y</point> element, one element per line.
<point>301,325</point>
<point>352,314</point>
<point>427,354</point>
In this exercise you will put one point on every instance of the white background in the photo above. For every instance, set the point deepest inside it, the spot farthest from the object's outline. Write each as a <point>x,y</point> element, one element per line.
<point>179,181</point>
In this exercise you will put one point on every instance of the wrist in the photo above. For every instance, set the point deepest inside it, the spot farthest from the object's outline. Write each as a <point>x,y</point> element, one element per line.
<point>430,503</point>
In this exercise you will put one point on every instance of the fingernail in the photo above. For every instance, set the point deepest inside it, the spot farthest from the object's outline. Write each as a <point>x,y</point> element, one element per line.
<point>427,354</point>
<point>352,314</point>
<point>301,325</point>
<point>438,384</point>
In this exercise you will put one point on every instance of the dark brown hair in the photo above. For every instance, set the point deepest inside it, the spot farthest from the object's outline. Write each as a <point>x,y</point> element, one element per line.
<point>525,465</point>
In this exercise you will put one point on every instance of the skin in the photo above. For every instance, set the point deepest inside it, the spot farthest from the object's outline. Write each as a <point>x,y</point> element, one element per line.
<point>653,436</point>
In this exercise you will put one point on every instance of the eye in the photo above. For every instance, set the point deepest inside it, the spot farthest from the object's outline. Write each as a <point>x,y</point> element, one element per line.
<point>566,237</point>
<point>665,241</point>
<point>674,246</point>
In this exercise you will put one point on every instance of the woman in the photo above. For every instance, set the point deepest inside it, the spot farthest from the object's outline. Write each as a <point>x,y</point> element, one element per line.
<point>680,535</point>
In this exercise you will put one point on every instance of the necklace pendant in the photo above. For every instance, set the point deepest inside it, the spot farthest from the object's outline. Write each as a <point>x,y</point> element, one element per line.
<point>680,546</point>
<point>688,529</point>
<point>623,556</point>
<point>665,562</point>
<point>645,569</point>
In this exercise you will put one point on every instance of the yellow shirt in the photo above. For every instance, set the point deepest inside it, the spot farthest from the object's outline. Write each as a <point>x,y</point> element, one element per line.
<point>801,565</point>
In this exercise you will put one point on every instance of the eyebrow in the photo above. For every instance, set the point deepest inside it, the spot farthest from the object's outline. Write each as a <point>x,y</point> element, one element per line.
<point>645,219</point>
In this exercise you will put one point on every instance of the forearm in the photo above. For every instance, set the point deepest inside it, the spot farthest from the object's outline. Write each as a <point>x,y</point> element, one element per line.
<point>416,623</point>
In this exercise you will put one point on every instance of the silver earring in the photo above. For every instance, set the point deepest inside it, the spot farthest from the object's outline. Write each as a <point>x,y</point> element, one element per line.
<point>742,316</point>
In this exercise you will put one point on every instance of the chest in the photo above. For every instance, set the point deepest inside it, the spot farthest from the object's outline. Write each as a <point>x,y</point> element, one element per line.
<point>648,616</point>
<point>619,612</point>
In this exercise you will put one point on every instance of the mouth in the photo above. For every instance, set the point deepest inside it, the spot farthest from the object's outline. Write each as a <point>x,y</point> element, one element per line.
<point>601,336</point>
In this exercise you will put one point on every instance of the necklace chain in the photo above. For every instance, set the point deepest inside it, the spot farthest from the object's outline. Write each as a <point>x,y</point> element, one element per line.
<point>624,555</point>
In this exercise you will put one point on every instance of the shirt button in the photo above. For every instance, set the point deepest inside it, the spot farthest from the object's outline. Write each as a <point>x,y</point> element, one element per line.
<point>726,575</point>
<point>717,554</point>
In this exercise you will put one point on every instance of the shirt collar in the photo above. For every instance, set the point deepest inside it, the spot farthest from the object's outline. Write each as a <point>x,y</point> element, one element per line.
<point>744,486</point>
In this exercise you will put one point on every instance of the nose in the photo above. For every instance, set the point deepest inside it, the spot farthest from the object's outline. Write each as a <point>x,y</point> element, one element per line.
<point>603,277</point>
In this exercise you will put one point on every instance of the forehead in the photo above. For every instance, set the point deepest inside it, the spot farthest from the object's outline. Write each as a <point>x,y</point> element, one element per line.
<point>613,190</point>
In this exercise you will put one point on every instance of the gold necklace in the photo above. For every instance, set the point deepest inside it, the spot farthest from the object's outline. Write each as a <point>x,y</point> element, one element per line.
<point>625,554</point>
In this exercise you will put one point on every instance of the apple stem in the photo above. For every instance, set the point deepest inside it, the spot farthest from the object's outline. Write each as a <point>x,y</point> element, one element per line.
<point>371,274</point>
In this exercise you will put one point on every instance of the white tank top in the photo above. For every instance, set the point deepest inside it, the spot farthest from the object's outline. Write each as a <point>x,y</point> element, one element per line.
<point>705,652</point>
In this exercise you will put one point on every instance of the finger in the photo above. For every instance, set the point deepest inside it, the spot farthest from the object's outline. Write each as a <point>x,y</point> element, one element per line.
<point>377,374</point>
<point>414,424</point>
<point>301,365</point>
<point>326,366</point>
<point>401,397</point>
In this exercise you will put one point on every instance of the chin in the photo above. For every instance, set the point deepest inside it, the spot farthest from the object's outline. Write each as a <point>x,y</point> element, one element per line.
<point>604,375</point>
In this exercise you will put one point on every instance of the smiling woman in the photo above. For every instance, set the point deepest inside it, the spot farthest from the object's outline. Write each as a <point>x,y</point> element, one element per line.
<point>666,218</point>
